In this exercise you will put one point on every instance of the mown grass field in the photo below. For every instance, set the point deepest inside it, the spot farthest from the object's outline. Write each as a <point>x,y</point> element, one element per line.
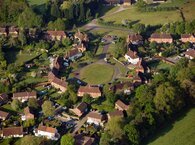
<point>97,74</point>
<point>37,2</point>
<point>181,133</point>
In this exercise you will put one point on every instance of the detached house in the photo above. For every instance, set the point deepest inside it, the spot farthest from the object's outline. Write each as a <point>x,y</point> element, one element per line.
<point>125,88</point>
<point>115,113</point>
<point>24,96</point>
<point>95,118</point>
<point>161,38</point>
<point>55,35</point>
<point>131,56</point>
<point>81,36</point>
<point>48,132</point>
<point>94,92</point>
<point>119,105</point>
<point>3,31</point>
<point>73,54</point>
<point>59,84</point>
<point>27,114</point>
<point>80,109</point>
<point>4,115</point>
<point>12,132</point>
<point>190,54</point>
<point>13,31</point>
<point>134,39</point>
<point>127,2</point>
<point>81,139</point>
<point>187,38</point>
<point>3,98</point>
<point>111,2</point>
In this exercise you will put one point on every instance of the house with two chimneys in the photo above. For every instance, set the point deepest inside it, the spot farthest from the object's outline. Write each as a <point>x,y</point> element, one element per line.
<point>24,96</point>
<point>132,57</point>
<point>48,132</point>
<point>55,35</point>
<point>161,38</point>
<point>10,132</point>
<point>81,109</point>
<point>27,115</point>
<point>4,115</point>
<point>119,105</point>
<point>95,118</point>
<point>93,91</point>
<point>187,38</point>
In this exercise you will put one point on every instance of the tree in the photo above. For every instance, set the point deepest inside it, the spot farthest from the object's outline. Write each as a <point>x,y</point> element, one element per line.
<point>58,24</point>
<point>22,38</point>
<point>48,109</point>
<point>32,103</point>
<point>82,12</point>
<point>139,28</point>
<point>29,123</point>
<point>67,139</point>
<point>87,98</point>
<point>105,139</point>
<point>55,10</point>
<point>132,133</point>
<point>30,140</point>
<point>16,105</point>
<point>114,127</point>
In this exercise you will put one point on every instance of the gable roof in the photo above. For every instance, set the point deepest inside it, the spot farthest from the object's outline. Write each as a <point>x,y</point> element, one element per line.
<point>190,52</point>
<point>89,89</point>
<point>95,115</point>
<point>80,139</point>
<point>24,94</point>
<point>4,114</point>
<point>59,82</point>
<point>82,106</point>
<point>47,129</point>
<point>161,36</point>
<point>186,35</point>
<point>121,105</point>
<point>56,33</point>
<point>12,131</point>
<point>135,37</point>
<point>72,53</point>
<point>116,113</point>
<point>132,54</point>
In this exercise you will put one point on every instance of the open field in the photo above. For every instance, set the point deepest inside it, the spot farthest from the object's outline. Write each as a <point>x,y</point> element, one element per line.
<point>36,2</point>
<point>189,10</point>
<point>97,73</point>
<point>182,132</point>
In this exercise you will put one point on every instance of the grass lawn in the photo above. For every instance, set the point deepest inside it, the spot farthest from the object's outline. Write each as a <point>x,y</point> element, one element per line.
<point>36,2</point>
<point>152,18</point>
<point>97,73</point>
<point>188,10</point>
<point>181,133</point>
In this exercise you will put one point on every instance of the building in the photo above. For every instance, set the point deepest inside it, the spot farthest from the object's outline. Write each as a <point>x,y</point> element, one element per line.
<point>12,132</point>
<point>81,139</point>
<point>55,35</point>
<point>59,84</point>
<point>81,36</point>
<point>119,105</point>
<point>190,54</point>
<point>95,118</point>
<point>155,1</point>
<point>94,92</point>
<point>3,31</point>
<point>13,32</point>
<point>24,96</point>
<point>73,54</point>
<point>27,114</point>
<point>127,2</point>
<point>111,2</point>
<point>131,56</point>
<point>4,115</point>
<point>161,38</point>
<point>80,109</point>
<point>3,98</point>
<point>115,113</point>
<point>48,132</point>
<point>134,39</point>
<point>187,38</point>
<point>126,88</point>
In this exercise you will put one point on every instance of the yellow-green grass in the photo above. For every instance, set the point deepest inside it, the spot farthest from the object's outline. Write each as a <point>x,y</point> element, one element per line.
<point>189,10</point>
<point>181,133</point>
<point>36,2</point>
<point>97,74</point>
<point>148,18</point>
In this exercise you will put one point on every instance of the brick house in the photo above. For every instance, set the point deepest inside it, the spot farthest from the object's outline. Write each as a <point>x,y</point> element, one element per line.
<point>27,114</point>
<point>187,38</point>
<point>161,38</point>
<point>190,54</point>
<point>135,39</point>
<point>131,56</point>
<point>95,118</point>
<point>48,132</point>
<point>81,139</point>
<point>12,132</point>
<point>59,84</point>
<point>80,109</point>
<point>94,92</point>
<point>55,35</point>
<point>3,98</point>
<point>119,105</point>
<point>4,115</point>
<point>24,96</point>
<point>115,113</point>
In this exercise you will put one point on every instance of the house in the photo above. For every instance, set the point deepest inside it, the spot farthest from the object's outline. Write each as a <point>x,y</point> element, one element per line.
<point>3,31</point>
<point>3,98</point>
<point>187,38</point>
<point>127,2</point>
<point>55,35</point>
<point>13,31</point>
<point>81,139</point>
<point>161,38</point>
<point>48,132</point>
<point>119,105</point>
<point>12,132</point>
<point>115,113</point>
<point>135,39</point>
<point>131,56</point>
<point>73,54</point>
<point>27,114</point>
<point>126,87</point>
<point>94,92</point>
<point>95,118</point>
<point>32,32</point>
<point>190,54</point>
<point>24,96</point>
<point>58,63</point>
<point>137,80</point>
<point>81,47</point>
<point>81,36</point>
<point>4,115</point>
<point>59,84</point>
<point>80,109</point>
<point>155,1</point>
<point>111,2</point>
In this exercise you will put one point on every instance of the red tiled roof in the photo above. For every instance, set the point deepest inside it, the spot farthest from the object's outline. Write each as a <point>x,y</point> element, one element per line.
<point>135,37</point>
<point>116,113</point>
<point>47,129</point>
<point>95,115</point>
<point>56,33</point>
<point>131,54</point>
<point>89,89</point>
<point>82,106</point>
<point>12,131</point>
<point>24,94</point>
<point>72,52</point>
<point>186,35</point>
<point>59,82</point>
<point>161,36</point>
<point>4,114</point>
<point>80,139</point>
<point>190,52</point>
<point>121,104</point>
